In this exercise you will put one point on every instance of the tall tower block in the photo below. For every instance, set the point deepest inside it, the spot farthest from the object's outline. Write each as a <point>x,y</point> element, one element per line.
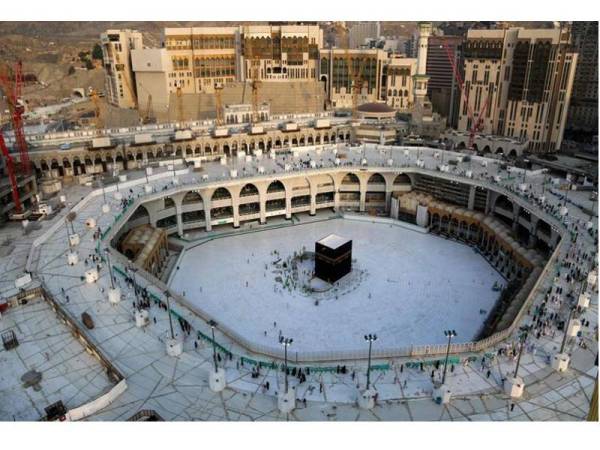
<point>421,78</point>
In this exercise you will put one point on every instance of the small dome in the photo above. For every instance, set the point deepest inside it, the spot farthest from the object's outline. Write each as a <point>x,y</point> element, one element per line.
<point>375,108</point>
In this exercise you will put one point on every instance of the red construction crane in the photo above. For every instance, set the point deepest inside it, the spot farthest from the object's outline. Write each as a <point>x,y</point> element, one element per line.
<point>10,168</point>
<point>475,121</point>
<point>11,82</point>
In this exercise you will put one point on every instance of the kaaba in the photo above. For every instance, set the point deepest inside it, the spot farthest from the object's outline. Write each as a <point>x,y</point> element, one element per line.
<point>333,258</point>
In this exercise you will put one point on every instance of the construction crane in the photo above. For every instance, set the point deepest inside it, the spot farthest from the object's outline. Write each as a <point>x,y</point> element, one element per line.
<point>476,122</point>
<point>254,75</point>
<point>148,115</point>
<point>218,104</point>
<point>10,168</point>
<point>98,118</point>
<point>179,94</point>
<point>11,82</point>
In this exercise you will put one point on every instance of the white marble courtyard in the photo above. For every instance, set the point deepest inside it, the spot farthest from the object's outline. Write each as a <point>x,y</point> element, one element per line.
<point>413,286</point>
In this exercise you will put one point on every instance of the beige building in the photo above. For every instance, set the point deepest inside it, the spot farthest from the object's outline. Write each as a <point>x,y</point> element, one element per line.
<point>201,57</point>
<point>528,76</point>
<point>367,63</point>
<point>398,81</point>
<point>116,54</point>
<point>152,67</point>
<point>281,52</point>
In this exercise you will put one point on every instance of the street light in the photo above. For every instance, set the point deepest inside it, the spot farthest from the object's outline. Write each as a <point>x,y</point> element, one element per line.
<point>212,325</point>
<point>168,296</point>
<point>103,191</point>
<point>370,338</point>
<point>522,339</point>
<point>112,279</point>
<point>286,342</point>
<point>133,270</point>
<point>449,334</point>
<point>564,341</point>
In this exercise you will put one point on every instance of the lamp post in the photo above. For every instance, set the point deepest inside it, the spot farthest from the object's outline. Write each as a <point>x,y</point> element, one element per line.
<point>103,191</point>
<point>112,279</point>
<point>522,339</point>
<point>449,334</point>
<point>212,325</point>
<point>133,270</point>
<point>286,342</point>
<point>168,296</point>
<point>68,235</point>
<point>564,341</point>
<point>370,338</point>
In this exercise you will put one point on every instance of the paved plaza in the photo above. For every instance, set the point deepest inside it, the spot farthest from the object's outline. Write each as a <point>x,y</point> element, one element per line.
<point>177,388</point>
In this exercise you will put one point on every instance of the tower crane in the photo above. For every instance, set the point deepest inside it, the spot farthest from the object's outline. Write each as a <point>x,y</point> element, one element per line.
<point>476,122</point>
<point>148,115</point>
<point>11,82</point>
<point>218,104</point>
<point>179,94</point>
<point>99,119</point>
<point>10,168</point>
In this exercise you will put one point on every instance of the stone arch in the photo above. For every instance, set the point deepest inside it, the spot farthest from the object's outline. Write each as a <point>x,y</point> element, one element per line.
<point>512,153</point>
<point>376,178</point>
<point>350,178</point>
<point>275,186</point>
<point>503,202</point>
<point>499,151</point>
<point>402,179</point>
<point>191,197</point>
<point>248,189</point>
<point>461,145</point>
<point>486,149</point>
<point>139,213</point>
<point>221,193</point>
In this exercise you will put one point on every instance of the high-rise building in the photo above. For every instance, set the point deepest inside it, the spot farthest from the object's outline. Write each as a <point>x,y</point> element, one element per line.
<point>361,31</point>
<point>152,67</point>
<point>443,90</point>
<point>116,55</point>
<point>282,52</point>
<point>367,64</point>
<point>201,57</point>
<point>397,82</point>
<point>583,112</point>
<point>524,78</point>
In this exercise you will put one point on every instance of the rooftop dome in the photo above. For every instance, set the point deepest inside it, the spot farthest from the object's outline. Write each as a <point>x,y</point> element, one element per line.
<point>375,108</point>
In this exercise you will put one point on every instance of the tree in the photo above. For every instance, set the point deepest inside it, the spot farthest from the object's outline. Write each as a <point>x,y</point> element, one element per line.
<point>97,52</point>
<point>89,65</point>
